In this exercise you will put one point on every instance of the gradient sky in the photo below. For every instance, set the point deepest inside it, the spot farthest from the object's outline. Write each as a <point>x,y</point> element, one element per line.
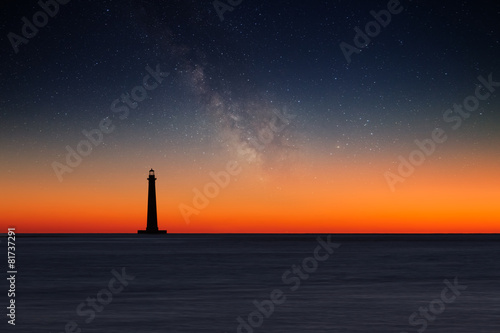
<point>324,168</point>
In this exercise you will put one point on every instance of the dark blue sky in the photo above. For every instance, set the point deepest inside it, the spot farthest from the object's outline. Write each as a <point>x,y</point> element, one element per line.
<point>264,54</point>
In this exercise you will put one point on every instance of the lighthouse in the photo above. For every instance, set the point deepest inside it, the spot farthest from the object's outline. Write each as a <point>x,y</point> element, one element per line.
<point>152,221</point>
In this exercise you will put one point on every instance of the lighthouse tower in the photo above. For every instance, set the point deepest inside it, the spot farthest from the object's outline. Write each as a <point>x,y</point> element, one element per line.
<point>152,222</point>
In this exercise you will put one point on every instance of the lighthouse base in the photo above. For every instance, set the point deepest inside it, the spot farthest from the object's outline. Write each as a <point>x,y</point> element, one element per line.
<point>152,232</point>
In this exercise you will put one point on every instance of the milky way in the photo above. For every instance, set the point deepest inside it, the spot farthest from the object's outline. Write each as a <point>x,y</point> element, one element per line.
<point>318,100</point>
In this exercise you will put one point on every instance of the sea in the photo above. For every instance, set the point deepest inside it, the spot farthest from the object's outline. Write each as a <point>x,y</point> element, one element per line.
<point>254,283</point>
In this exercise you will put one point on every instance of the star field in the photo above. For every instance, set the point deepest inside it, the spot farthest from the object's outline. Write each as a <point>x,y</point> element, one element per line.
<point>228,79</point>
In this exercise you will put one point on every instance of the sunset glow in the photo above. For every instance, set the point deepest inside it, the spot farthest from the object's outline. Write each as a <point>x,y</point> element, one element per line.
<point>398,136</point>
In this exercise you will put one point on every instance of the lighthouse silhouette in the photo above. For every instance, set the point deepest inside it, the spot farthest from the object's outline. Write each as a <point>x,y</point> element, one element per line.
<point>152,225</point>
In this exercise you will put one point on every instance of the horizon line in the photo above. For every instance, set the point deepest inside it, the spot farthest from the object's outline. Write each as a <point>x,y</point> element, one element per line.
<point>262,233</point>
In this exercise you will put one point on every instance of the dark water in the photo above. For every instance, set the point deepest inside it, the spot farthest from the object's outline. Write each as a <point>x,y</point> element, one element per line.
<point>202,283</point>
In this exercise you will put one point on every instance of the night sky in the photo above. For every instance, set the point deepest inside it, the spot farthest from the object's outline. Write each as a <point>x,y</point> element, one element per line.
<point>315,142</point>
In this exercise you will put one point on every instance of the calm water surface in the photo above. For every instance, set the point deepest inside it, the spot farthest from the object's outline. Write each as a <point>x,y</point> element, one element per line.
<point>203,283</point>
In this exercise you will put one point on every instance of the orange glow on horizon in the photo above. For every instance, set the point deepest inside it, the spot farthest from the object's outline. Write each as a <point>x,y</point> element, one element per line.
<point>434,200</point>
